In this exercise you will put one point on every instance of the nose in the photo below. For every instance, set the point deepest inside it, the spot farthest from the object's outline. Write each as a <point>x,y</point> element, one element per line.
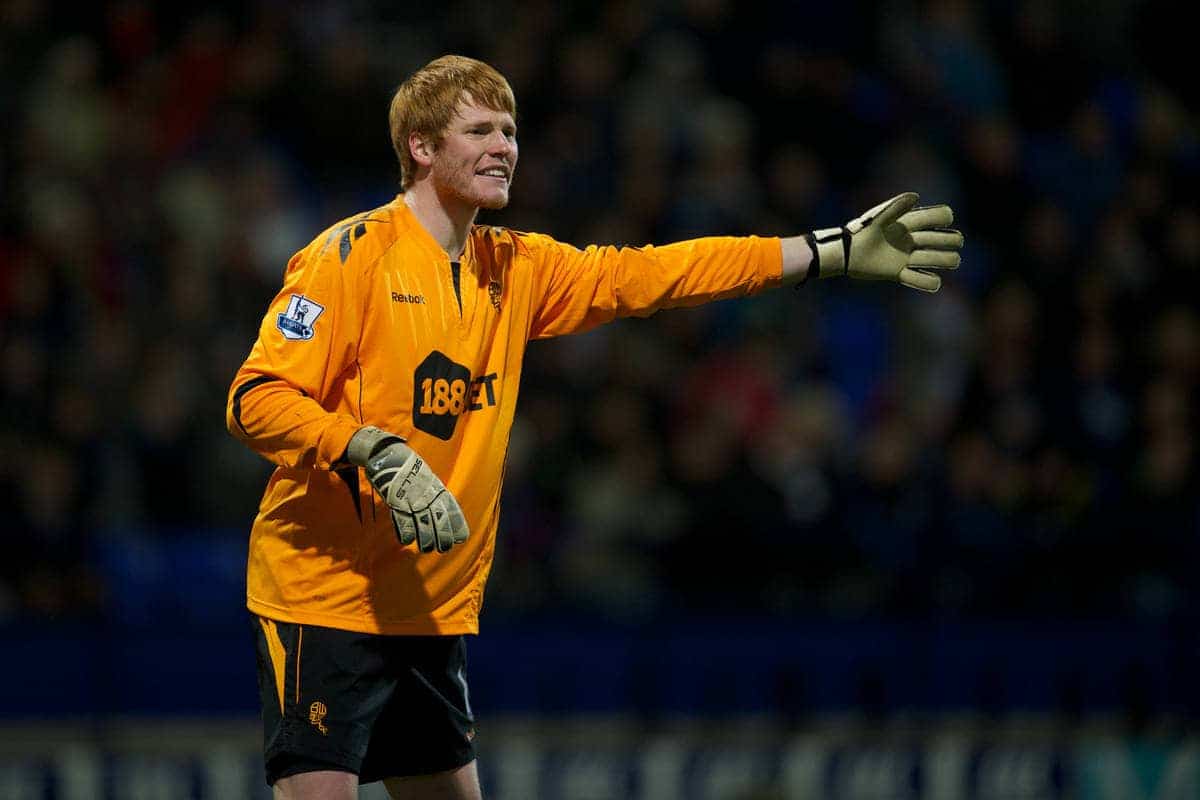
<point>500,145</point>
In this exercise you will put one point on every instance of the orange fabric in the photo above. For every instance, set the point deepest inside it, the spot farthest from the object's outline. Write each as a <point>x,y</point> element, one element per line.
<point>367,330</point>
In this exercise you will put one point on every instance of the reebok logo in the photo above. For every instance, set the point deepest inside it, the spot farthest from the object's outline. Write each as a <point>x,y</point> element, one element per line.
<point>401,297</point>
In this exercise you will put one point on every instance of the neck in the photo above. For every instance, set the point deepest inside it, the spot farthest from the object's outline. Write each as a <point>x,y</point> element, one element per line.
<point>448,223</point>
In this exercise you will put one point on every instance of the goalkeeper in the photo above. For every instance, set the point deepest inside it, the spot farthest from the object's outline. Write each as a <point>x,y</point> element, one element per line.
<point>383,385</point>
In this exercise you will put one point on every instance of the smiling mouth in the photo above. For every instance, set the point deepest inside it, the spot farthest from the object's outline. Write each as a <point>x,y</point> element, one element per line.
<point>495,173</point>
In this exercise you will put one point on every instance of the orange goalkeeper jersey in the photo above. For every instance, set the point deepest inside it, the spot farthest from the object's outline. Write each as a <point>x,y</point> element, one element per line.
<point>372,326</point>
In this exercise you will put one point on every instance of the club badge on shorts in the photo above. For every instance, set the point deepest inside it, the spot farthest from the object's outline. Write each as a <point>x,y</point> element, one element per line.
<point>297,322</point>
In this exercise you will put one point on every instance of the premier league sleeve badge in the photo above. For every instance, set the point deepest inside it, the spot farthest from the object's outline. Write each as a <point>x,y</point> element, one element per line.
<point>297,322</point>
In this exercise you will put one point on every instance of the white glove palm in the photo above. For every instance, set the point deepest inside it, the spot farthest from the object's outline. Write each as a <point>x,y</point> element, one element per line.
<point>422,509</point>
<point>893,241</point>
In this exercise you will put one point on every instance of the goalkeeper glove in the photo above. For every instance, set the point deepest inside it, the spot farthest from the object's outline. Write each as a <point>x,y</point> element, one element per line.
<point>893,241</point>
<point>422,509</point>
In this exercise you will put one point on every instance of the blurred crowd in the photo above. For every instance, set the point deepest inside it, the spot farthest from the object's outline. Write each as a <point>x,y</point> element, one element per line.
<point>1022,443</point>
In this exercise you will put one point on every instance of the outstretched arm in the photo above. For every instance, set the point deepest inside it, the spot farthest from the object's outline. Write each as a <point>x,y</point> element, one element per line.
<point>575,290</point>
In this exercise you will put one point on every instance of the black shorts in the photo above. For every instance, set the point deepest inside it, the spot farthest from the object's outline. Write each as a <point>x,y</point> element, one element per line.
<point>377,706</point>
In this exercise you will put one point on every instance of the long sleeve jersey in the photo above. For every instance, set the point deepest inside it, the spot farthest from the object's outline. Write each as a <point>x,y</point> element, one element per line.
<point>375,326</point>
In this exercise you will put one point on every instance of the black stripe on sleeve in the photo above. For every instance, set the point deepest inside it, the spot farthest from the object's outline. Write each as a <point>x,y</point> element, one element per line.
<point>240,392</point>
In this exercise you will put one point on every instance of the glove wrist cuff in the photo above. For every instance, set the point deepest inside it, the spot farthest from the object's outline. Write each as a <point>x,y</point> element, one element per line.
<point>366,442</point>
<point>813,264</point>
<point>831,248</point>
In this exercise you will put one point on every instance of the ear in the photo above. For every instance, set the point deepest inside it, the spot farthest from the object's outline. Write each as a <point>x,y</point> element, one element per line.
<point>421,148</point>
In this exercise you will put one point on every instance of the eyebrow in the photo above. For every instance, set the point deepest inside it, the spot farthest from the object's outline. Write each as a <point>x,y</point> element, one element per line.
<point>485,119</point>
<point>488,122</point>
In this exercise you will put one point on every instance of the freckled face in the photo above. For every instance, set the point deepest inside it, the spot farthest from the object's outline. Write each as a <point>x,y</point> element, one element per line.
<point>475,160</point>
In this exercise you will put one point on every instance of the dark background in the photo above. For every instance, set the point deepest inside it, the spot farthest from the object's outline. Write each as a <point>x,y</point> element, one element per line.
<point>850,496</point>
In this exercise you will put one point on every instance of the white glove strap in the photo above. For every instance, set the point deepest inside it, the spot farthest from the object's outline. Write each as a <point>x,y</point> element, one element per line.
<point>832,251</point>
